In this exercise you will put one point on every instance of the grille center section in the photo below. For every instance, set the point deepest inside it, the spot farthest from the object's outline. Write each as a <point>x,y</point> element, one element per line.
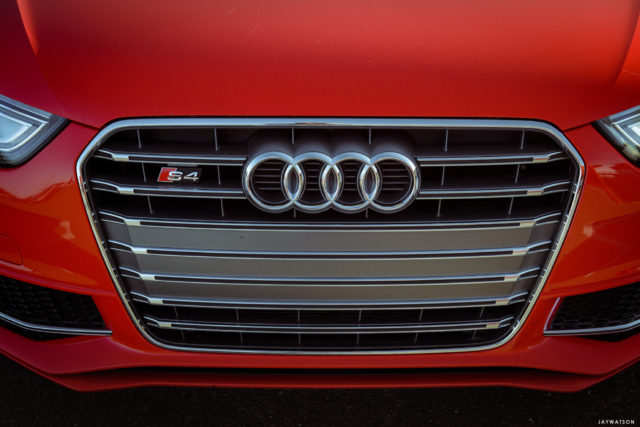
<point>313,181</point>
<point>340,237</point>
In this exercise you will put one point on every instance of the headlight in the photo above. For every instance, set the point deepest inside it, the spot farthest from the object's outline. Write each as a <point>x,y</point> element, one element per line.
<point>623,130</point>
<point>24,130</point>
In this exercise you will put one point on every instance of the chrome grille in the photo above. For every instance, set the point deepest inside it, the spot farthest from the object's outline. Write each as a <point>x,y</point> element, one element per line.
<point>200,267</point>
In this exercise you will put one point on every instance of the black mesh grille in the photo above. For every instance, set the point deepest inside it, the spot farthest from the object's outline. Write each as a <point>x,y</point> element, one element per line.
<point>603,309</point>
<point>47,307</point>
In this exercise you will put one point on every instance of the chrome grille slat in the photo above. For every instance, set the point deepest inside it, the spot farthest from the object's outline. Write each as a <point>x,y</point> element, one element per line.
<point>347,290</point>
<point>351,290</point>
<point>326,281</point>
<point>284,226</point>
<point>329,305</point>
<point>329,329</point>
<point>164,191</point>
<point>182,159</point>
<point>272,267</point>
<point>520,251</point>
<point>485,193</point>
<point>424,193</point>
<point>199,267</point>
<point>484,160</point>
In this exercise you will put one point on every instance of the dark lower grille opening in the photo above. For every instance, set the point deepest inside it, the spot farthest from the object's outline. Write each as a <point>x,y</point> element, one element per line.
<point>328,316</point>
<point>614,313</point>
<point>327,342</point>
<point>45,307</point>
<point>454,268</point>
<point>176,326</point>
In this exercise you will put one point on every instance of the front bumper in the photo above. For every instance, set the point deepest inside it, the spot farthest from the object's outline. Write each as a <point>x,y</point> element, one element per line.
<point>41,209</point>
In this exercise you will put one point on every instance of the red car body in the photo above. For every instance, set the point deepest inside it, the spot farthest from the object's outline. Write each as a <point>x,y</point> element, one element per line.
<point>567,64</point>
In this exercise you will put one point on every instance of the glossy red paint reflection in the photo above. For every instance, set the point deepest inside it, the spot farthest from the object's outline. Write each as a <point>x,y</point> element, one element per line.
<point>9,251</point>
<point>97,61</point>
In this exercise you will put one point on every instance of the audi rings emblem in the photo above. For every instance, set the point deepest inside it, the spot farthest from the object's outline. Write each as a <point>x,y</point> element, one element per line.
<point>314,182</point>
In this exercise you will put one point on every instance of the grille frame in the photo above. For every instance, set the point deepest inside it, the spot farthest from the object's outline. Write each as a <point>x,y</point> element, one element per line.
<point>354,123</point>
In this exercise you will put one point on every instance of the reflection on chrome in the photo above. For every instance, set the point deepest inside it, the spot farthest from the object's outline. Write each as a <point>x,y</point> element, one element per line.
<point>294,182</point>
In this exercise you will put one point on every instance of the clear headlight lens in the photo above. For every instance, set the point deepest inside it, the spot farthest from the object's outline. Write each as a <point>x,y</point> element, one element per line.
<point>24,130</point>
<point>623,130</point>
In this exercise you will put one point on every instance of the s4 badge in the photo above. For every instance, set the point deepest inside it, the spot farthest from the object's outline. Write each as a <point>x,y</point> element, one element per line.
<point>178,174</point>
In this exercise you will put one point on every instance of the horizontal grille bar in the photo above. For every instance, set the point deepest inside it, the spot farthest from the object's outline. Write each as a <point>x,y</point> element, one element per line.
<point>163,158</point>
<point>237,193</point>
<point>331,305</point>
<point>537,247</point>
<point>491,160</point>
<point>333,329</point>
<point>356,281</point>
<point>163,191</point>
<point>176,223</point>
<point>486,193</point>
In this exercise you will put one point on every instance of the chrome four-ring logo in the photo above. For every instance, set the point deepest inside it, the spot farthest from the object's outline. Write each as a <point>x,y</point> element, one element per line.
<point>276,181</point>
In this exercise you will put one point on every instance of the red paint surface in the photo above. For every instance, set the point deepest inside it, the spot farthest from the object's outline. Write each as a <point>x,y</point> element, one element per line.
<point>9,251</point>
<point>97,61</point>
<point>567,63</point>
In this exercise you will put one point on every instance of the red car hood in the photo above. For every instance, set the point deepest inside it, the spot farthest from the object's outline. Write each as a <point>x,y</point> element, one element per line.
<point>567,62</point>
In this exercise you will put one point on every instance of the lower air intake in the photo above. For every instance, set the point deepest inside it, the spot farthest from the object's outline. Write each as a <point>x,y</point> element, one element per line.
<point>329,236</point>
<point>43,313</point>
<point>605,312</point>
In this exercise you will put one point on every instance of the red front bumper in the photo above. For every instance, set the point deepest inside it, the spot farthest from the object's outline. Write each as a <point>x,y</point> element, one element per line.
<point>42,211</point>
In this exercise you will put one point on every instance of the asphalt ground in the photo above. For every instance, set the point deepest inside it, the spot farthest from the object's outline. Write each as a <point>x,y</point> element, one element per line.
<point>26,399</point>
